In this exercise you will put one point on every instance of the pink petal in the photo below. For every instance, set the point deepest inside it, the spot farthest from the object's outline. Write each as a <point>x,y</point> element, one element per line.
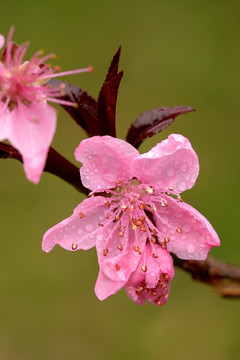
<point>105,159</point>
<point>154,283</point>
<point>191,235</point>
<point>5,126</point>
<point>2,41</point>
<point>105,287</point>
<point>171,163</point>
<point>80,230</point>
<point>117,256</point>
<point>32,130</point>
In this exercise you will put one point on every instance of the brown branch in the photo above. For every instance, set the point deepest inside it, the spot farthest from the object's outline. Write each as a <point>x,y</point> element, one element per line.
<point>225,278</point>
<point>56,164</point>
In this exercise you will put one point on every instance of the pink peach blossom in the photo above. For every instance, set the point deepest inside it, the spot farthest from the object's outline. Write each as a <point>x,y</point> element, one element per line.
<point>135,215</point>
<point>26,120</point>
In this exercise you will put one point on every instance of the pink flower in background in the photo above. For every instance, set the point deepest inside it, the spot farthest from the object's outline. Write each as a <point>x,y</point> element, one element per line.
<point>135,215</point>
<point>26,120</point>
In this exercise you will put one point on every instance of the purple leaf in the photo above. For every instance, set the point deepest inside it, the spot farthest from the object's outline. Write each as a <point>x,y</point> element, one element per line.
<point>154,121</point>
<point>107,98</point>
<point>85,114</point>
<point>14,48</point>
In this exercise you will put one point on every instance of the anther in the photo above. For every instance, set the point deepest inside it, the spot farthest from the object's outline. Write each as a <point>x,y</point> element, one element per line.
<point>107,215</point>
<point>143,228</point>
<point>136,248</point>
<point>121,233</point>
<point>153,240</point>
<point>179,198</point>
<point>107,203</point>
<point>100,224</point>
<point>81,215</point>
<point>154,293</point>
<point>74,246</point>
<point>140,251</point>
<point>170,188</point>
<point>154,256</point>
<point>144,268</point>
<point>134,227</point>
<point>131,207</point>
<point>142,206</point>
<point>179,230</point>
<point>138,222</point>
<point>164,203</point>
<point>124,207</point>
<point>138,291</point>
<point>154,208</point>
<point>166,240</point>
<point>117,217</point>
<point>149,190</point>
<point>117,267</point>
<point>105,252</point>
<point>120,247</point>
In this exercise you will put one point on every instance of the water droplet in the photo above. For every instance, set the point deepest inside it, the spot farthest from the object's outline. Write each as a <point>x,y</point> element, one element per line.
<point>182,186</point>
<point>80,231</point>
<point>170,172</point>
<point>150,154</point>
<point>183,167</point>
<point>190,248</point>
<point>186,228</point>
<point>99,237</point>
<point>89,227</point>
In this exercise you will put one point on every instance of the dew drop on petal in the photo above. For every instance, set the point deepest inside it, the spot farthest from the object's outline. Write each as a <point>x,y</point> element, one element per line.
<point>190,248</point>
<point>184,167</point>
<point>170,172</point>
<point>182,186</point>
<point>89,227</point>
<point>186,228</point>
<point>80,231</point>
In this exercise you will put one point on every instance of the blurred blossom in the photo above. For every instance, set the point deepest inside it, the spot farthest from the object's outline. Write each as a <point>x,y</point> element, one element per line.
<point>26,120</point>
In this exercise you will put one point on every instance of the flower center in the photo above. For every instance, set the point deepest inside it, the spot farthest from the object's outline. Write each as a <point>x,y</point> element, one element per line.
<point>133,203</point>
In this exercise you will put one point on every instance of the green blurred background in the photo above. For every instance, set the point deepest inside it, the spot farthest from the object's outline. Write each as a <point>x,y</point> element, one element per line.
<point>173,52</point>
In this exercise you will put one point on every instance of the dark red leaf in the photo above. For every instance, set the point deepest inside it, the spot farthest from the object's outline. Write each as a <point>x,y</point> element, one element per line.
<point>85,114</point>
<point>154,121</point>
<point>107,98</point>
<point>113,68</point>
<point>106,108</point>
<point>14,48</point>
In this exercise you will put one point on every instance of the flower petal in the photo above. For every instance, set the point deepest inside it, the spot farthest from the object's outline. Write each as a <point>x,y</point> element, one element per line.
<point>190,233</point>
<point>154,283</point>
<point>2,41</point>
<point>117,256</point>
<point>32,130</point>
<point>5,126</point>
<point>105,159</point>
<point>80,230</point>
<point>105,287</point>
<point>171,163</point>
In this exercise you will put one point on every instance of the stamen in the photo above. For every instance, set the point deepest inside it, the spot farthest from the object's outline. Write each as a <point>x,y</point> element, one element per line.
<point>120,247</point>
<point>105,252</point>
<point>71,72</point>
<point>179,230</point>
<point>81,215</point>
<point>74,246</point>
<point>117,267</point>
<point>144,268</point>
